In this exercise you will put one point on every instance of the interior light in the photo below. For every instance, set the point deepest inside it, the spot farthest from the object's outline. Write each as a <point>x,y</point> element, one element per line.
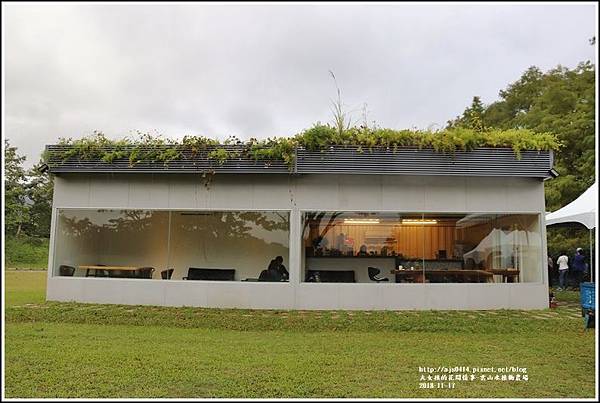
<point>361,220</point>
<point>418,222</point>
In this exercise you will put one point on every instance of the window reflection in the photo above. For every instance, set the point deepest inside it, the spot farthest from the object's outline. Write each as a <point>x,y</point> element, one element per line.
<point>165,245</point>
<point>416,248</point>
<point>229,245</point>
<point>338,246</point>
<point>111,243</point>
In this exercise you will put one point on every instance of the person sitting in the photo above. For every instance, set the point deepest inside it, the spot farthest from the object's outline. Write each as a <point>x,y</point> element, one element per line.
<point>275,272</point>
<point>281,268</point>
<point>362,251</point>
<point>265,275</point>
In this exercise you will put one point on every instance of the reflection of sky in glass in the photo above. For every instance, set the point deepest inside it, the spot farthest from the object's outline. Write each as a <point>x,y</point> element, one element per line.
<point>276,236</point>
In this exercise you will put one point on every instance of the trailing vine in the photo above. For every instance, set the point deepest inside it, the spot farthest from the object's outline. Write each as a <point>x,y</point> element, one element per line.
<point>145,148</point>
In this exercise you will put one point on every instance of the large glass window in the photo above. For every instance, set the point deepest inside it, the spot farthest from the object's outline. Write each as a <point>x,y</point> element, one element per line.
<point>500,247</point>
<point>111,243</point>
<point>229,245</point>
<point>188,245</point>
<point>416,248</point>
<point>359,247</point>
<point>347,247</point>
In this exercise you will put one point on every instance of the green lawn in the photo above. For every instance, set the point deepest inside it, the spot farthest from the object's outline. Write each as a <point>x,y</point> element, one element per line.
<point>90,350</point>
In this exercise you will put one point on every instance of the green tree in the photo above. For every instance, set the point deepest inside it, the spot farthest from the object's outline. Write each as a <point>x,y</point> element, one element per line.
<point>560,101</point>
<point>472,117</point>
<point>39,190</point>
<point>16,209</point>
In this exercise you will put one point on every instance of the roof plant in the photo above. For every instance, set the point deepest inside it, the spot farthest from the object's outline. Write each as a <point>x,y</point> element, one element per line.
<point>147,148</point>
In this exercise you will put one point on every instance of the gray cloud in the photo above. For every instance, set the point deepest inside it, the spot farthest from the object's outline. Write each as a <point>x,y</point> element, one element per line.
<point>262,70</point>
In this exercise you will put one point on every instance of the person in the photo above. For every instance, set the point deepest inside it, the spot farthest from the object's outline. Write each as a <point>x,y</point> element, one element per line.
<point>280,268</point>
<point>275,272</point>
<point>563,268</point>
<point>340,243</point>
<point>265,275</point>
<point>362,251</point>
<point>578,266</point>
<point>551,274</point>
<point>270,273</point>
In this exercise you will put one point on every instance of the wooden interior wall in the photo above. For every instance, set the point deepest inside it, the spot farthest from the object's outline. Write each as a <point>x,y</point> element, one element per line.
<point>413,241</point>
<point>439,237</point>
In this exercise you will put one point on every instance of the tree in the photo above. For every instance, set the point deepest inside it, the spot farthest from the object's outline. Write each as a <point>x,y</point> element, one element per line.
<point>560,101</point>
<point>39,188</point>
<point>472,117</point>
<point>16,209</point>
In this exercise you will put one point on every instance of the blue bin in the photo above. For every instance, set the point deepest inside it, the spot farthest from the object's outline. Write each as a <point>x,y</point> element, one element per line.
<point>587,295</point>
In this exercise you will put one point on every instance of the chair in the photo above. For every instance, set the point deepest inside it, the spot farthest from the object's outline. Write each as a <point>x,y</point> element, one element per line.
<point>167,274</point>
<point>374,275</point>
<point>470,264</point>
<point>101,273</point>
<point>65,270</point>
<point>145,272</point>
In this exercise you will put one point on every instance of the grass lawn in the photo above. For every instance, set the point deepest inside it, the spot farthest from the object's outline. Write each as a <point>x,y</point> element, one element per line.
<point>90,350</point>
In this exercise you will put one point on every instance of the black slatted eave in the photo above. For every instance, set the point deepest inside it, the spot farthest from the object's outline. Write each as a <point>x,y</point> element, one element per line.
<point>338,160</point>
<point>414,161</point>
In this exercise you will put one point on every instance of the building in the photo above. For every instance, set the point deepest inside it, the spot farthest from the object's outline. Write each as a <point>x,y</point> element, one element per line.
<point>448,231</point>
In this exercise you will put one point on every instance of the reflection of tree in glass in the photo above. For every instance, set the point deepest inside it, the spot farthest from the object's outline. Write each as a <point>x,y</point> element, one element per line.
<point>219,224</point>
<point>130,220</point>
<point>233,224</point>
<point>312,220</point>
<point>75,227</point>
<point>208,232</point>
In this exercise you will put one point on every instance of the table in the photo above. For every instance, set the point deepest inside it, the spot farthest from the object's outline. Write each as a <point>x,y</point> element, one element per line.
<point>466,274</point>
<point>108,268</point>
<point>508,275</point>
<point>413,276</point>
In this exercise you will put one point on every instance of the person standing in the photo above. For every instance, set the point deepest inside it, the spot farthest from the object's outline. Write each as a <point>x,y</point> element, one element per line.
<point>563,268</point>
<point>551,273</point>
<point>578,266</point>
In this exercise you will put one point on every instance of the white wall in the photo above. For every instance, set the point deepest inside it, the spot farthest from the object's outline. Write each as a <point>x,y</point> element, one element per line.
<point>298,193</point>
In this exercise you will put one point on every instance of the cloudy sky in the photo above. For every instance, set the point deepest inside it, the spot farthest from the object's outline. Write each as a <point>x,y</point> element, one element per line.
<point>262,70</point>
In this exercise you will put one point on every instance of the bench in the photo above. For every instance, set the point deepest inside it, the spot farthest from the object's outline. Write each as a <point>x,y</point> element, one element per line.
<point>200,273</point>
<point>333,276</point>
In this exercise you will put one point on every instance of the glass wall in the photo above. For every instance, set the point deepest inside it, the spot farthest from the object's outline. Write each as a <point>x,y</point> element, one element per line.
<point>337,246</point>
<point>111,243</point>
<point>416,248</point>
<point>163,245</point>
<point>229,245</point>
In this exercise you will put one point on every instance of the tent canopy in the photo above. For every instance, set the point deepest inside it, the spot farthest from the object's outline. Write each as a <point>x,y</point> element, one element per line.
<point>581,210</point>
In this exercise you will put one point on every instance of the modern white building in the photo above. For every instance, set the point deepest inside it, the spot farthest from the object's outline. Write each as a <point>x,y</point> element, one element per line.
<point>448,231</point>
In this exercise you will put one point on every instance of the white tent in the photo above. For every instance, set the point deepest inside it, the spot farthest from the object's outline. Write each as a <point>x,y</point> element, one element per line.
<point>581,210</point>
